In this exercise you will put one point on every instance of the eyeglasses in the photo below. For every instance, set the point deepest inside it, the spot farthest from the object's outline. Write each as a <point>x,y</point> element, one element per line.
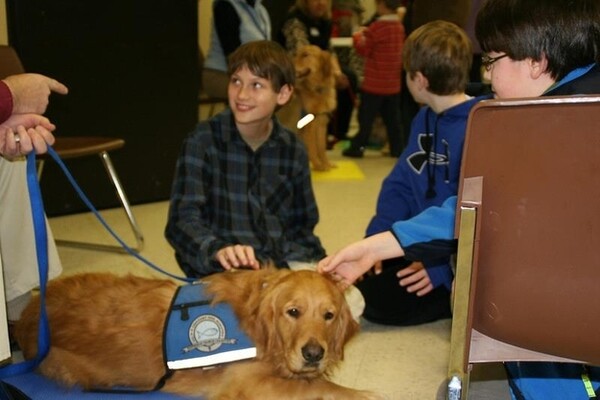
<point>487,61</point>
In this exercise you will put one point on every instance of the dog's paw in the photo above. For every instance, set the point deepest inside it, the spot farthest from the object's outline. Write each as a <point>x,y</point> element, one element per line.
<point>323,166</point>
<point>320,167</point>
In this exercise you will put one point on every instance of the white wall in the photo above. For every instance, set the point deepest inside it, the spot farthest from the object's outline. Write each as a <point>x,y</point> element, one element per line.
<point>3,29</point>
<point>369,6</point>
<point>204,23</point>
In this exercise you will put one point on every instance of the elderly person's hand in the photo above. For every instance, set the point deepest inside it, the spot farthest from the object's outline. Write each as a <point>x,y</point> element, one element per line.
<point>23,133</point>
<point>30,92</point>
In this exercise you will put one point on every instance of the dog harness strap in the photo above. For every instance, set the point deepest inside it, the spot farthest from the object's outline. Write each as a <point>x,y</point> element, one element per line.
<point>159,385</point>
<point>41,242</point>
<point>184,307</point>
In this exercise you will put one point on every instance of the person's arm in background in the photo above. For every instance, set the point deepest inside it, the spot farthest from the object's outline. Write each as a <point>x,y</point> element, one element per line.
<point>362,41</point>
<point>227,24</point>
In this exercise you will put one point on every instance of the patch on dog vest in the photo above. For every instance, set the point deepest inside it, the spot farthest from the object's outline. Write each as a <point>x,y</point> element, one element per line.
<point>200,335</point>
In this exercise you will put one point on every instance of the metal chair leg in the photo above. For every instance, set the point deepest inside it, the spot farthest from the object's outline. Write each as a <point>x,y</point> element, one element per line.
<point>139,238</point>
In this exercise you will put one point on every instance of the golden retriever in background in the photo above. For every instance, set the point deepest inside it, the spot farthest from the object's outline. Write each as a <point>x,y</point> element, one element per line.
<point>107,331</point>
<point>316,70</point>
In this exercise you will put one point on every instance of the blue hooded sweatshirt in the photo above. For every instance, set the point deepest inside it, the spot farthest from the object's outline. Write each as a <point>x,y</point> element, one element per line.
<point>426,174</point>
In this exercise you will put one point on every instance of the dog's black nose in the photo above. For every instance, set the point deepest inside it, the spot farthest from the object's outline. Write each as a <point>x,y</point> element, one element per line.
<point>313,352</point>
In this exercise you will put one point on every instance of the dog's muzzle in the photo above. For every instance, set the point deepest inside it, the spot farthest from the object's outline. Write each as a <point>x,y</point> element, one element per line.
<point>313,353</point>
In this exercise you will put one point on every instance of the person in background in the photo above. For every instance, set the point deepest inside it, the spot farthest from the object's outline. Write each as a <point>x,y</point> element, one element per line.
<point>380,43</point>
<point>23,98</point>
<point>234,23</point>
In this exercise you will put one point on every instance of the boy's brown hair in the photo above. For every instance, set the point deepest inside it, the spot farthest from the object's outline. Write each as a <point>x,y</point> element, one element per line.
<point>443,53</point>
<point>266,59</point>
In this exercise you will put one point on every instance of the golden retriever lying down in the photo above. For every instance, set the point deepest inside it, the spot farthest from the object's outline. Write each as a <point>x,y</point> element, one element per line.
<point>107,331</point>
<point>316,70</point>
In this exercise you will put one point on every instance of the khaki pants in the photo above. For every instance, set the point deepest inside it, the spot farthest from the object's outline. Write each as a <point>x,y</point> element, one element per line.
<point>17,238</point>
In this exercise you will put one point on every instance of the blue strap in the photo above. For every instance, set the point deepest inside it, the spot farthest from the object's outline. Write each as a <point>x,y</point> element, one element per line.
<point>93,209</point>
<point>41,241</point>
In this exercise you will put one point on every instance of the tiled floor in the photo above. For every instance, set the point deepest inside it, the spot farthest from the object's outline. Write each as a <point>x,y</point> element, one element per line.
<point>404,363</point>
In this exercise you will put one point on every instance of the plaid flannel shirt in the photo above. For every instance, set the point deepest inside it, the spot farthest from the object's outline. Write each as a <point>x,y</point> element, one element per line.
<point>224,194</point>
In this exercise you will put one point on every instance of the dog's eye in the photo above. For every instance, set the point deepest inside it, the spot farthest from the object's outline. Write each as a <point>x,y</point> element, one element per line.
<point>328,315</point>
<point>293,312</point>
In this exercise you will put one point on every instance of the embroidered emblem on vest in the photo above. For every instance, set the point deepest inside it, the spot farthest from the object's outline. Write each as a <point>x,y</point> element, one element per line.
<point>200,334</point>
<point>207,333</point>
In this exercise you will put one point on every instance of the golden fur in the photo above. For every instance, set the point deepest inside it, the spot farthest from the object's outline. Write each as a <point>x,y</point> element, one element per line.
<point>107,331</point>
<point>315,84</point>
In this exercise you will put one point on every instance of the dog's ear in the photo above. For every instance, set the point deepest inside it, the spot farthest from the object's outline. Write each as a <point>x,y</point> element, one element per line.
<point>326,63</point>
<point>263,322</point>
<point>346,329</point>
<point>238,288</point>
<point>244,291</point>
<point>265,327</point>
<point>346,326</point>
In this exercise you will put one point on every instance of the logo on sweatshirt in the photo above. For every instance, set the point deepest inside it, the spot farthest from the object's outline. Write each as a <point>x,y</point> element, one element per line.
<point>419,159</point>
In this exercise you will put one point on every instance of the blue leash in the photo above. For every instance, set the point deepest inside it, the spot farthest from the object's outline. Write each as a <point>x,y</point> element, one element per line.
<point>41,240</point>
<point>93,209</point>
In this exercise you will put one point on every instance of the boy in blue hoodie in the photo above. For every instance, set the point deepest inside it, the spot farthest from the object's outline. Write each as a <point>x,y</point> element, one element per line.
<point>437,58</point>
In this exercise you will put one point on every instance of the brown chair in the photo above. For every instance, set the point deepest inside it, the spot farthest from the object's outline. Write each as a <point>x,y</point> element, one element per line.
<point>203,98</point>
<point>528,262</point>
<point>80,146</point>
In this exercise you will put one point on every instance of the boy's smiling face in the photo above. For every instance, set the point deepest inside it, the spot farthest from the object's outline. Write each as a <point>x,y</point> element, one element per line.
<point>252,99</point>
